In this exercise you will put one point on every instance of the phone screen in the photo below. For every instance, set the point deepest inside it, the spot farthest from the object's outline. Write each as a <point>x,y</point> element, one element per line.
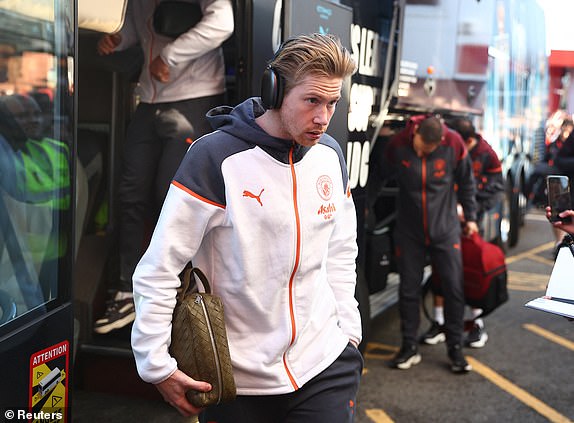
<point>558,190</point>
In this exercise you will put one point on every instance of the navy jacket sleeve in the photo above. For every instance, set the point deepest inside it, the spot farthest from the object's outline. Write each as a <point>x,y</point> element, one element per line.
<point>491,181</point>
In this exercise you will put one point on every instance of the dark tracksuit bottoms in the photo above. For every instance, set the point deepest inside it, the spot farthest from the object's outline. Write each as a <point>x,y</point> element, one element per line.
<point>158,137</point>
<point>446,259</point>
<point>327,398</point>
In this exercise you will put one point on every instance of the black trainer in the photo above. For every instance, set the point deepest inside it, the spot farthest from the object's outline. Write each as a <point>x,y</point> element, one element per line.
<point>407,356</point>
<point>434,335</point>
<point>119,313</point>
<point>477,337</point>
<point>457,360</point>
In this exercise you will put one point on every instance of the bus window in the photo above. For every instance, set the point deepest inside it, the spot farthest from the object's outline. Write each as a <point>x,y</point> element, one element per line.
<point>36,148</point>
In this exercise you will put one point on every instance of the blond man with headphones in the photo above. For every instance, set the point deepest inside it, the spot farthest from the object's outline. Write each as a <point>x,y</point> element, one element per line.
<point>263,206</point>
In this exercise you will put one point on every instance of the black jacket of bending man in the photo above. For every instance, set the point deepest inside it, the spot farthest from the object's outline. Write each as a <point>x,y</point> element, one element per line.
<point>430,186</point>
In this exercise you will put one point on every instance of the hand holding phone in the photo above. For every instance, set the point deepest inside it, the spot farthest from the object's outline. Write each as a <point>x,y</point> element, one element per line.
<point>558,191</point>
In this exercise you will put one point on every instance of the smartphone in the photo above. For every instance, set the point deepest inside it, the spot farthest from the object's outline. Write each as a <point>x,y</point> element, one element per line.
<point>558,191</point>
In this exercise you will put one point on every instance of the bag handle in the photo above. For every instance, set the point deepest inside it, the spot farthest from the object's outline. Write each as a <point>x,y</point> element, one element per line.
<point>186,277</point>
<point>203,279</point>
<point>475,236</point>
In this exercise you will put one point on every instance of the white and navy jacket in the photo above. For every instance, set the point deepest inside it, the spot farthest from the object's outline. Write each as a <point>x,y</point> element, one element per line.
<point>273,226</point>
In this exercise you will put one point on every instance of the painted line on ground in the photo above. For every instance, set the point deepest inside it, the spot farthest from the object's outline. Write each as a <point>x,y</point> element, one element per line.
<point>372,348</point>
<point>557,339</point>
<point>517,392</point>
<point>530,252</point>
<point>542,260</point>
<point>540,281</point>
<point>378,416</point>
<point>524,281</point>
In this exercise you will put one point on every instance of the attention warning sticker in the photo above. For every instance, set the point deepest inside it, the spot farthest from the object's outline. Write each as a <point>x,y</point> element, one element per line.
<point>49,383</point>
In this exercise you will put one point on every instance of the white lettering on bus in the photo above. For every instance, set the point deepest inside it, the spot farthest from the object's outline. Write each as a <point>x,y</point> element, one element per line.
<point>361,101</point>
<point>358,163</point>
<point>365,50</point>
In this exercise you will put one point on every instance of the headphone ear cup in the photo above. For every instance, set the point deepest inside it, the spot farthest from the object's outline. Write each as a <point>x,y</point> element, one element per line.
<point>271,89</point>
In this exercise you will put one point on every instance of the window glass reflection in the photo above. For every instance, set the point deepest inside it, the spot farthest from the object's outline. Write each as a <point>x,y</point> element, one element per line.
<point>35,148</point>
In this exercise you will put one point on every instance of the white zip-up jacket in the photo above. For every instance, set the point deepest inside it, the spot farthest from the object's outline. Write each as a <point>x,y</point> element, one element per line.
<point>195,59</point>
<point>272,224</point>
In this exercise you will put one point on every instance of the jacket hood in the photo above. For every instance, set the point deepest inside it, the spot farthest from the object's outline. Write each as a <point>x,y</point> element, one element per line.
<point>413,122</point>
<point>239,121</point>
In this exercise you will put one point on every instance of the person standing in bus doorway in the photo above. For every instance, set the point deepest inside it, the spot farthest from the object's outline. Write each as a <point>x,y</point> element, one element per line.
<point>489,185</point>
<point>429,160</point>
<point>181,80</point>
<point>263,206</point>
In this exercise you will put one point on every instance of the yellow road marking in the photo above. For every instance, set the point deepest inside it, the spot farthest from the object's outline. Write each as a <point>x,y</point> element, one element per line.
<point>517,392</point>
<point>372,348</point>
<point>542,260</point>
<point>518,281</point>
<point>527,288</point>
<point>527,276</point>
<point>523,281</point>
<point>378,416</point>
<point>549,335</point>
<point>378,346</point>
<point>530,252</point>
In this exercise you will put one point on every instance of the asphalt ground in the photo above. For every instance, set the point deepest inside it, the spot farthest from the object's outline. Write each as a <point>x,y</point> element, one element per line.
<point>523,373</point>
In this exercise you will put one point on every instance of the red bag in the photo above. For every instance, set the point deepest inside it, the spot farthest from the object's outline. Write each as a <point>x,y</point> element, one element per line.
<point>485,274</point>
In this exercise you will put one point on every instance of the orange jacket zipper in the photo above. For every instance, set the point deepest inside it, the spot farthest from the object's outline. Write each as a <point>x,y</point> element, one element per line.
<point>295,267</point>
<point>424,200</point>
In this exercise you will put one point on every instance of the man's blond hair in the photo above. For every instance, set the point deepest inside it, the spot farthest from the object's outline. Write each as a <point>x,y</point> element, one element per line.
<point>313,54</point>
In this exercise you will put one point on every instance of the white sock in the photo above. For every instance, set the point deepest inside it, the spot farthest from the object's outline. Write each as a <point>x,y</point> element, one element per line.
<point>439,315</point>
<point>475,313</point>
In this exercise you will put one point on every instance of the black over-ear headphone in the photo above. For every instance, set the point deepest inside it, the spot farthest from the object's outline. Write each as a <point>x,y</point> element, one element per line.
<point>272,83</point>
<point>271,88</point>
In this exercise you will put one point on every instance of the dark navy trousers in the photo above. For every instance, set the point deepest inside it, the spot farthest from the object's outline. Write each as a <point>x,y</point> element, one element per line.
<point>446,259</point>
<point>327,398</point>
<point>157,138</point>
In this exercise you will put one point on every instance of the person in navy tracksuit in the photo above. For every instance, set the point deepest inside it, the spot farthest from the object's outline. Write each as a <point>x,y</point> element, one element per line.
<point>489,185</point>
<point>433,172</point>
